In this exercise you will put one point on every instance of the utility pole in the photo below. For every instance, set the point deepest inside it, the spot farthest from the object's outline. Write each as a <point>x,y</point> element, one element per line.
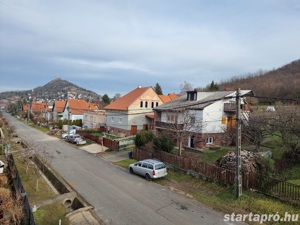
<point>238,175</point>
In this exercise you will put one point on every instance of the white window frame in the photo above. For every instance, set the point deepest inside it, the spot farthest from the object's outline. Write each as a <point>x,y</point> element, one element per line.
<point>209,140</point>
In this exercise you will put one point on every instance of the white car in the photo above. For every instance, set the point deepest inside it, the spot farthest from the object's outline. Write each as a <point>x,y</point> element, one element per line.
<point>65,135</point>
<point>149,168</point>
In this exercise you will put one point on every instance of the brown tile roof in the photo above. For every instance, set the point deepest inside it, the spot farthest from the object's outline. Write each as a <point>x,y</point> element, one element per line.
<point>78,106</point>
<point>60,105</point>
<point>39,107</point>
<point>124,102</point>
<point>169,97</point>
<point>25,107</point>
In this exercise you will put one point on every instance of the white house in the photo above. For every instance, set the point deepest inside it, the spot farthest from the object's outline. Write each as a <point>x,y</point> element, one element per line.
<point>201,118</point>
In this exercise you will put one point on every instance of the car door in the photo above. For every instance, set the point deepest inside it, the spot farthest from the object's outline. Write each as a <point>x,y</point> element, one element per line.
<point>138,168</point>
<point>144,168</point>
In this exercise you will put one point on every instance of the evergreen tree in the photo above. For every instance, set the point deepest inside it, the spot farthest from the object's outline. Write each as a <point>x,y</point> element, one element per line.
<point>106,99</point>
<point>213,86</point>
<point>158,89</point>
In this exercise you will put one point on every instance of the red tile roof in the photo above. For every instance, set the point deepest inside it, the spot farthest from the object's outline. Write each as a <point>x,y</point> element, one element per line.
<point>124,102</point>
<point>78,106</point>
<point>25,107</point>
<point>60,105</point>
<point>169,97</point>
<point>39,107</point>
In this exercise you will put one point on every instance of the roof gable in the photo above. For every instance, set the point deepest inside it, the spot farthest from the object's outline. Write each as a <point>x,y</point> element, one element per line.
<point>78,106</point>
<point>39,107</point>
<point>124,102</point>
<point>59,106</point>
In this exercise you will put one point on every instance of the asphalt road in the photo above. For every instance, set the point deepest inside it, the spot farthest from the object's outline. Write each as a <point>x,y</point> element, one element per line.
<point>117,196</point>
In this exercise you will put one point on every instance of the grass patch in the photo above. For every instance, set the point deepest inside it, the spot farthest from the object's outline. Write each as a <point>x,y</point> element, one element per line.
<point>211,156</point>
<point>29,181</point>
<point>40,128</point>
<point>125,163</point>
<point>51,214</point>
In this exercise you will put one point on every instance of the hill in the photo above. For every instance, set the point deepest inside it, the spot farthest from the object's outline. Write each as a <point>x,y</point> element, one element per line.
<point>283,82</point>
<point>55,89</point>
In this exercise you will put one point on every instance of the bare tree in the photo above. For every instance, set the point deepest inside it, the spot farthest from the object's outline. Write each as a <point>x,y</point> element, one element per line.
<point>256,128</point>
<point>29,157</point>
<point>186,86</point>
<point>286,124</point>
<point>182,123</point>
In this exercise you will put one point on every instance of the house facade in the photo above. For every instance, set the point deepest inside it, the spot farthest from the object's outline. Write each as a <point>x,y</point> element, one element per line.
<point>75,108</point>
<point>93,119</point>
<point>200,119</point>
<point>132,112</point>
<point>57,110</point>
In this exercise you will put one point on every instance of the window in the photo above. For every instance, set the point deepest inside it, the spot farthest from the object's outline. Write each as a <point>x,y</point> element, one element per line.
<point>156,104</point>
<point>146,104</point>
<point>150,166</point>
<point>120,120</point>
<point>145,165</point>
<point>192,96</point>
<point>141,104</point>
<point>209,140</point>
<point>193,119</point>
<point>112,119</point>
<point>152,104</point>
<point>172,118</point>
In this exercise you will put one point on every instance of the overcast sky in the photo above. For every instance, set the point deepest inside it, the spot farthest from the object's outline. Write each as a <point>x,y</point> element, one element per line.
<point>113,46</point>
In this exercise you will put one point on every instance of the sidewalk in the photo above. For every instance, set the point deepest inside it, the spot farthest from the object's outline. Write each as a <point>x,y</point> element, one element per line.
<point>112,156</point>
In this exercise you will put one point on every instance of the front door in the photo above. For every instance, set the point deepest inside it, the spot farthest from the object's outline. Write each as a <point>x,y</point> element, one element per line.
<point>192,144</point>
<point>133,130</point>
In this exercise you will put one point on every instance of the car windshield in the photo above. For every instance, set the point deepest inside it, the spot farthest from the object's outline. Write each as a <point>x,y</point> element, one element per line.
<point>160,166</point>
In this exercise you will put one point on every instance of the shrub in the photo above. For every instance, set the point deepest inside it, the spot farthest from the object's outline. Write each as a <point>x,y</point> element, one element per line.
<point>163,143</point>
<point>143,137</point>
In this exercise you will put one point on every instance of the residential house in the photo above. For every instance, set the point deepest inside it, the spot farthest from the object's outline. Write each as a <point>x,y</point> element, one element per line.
<point>75,108</point>
<point>93,119</point>
<point>200,119</point>
<point>132,112</point>
<point>57,110</point>
<point>39,108</point>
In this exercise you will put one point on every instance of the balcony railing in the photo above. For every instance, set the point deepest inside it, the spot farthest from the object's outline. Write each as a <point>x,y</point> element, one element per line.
<point>229,107</point>
<point>168,126</point>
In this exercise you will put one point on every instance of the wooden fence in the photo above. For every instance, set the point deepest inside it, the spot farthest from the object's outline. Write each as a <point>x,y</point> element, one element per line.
<point>270,186</point>
<point>111,144</point>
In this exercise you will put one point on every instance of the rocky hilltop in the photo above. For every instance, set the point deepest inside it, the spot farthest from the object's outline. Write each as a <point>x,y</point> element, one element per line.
<point>55,89</point>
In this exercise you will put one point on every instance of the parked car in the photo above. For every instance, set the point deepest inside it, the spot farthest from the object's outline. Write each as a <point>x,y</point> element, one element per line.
<point>73,137</point>
<point>80,141</point>
<point>65,135</point>
<point>149,168</point>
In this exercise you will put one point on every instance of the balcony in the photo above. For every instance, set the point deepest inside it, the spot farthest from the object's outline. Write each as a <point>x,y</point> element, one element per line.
<point>168,126</point>
<point>229,107</point>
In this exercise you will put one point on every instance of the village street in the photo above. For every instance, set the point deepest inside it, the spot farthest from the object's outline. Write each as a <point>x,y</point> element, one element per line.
<point>117,196</point>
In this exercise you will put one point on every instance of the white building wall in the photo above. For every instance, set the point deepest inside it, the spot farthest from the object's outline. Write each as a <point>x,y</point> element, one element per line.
<point>117,120</point>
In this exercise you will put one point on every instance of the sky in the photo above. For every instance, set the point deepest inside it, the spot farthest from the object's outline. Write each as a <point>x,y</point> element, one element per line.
<point>114,46</point>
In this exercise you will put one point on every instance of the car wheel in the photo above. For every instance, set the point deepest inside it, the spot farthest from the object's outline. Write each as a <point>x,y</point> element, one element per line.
<point>148,178</point>
<point>131,170</point>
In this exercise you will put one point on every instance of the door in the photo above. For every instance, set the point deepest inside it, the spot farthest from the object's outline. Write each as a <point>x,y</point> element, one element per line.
<point>133,130</point>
